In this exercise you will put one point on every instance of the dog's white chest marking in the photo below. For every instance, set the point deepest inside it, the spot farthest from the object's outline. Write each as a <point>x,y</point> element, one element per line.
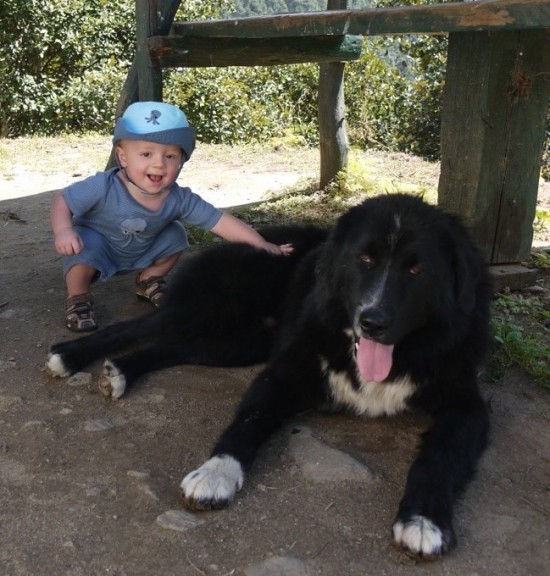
<point>372,398</point>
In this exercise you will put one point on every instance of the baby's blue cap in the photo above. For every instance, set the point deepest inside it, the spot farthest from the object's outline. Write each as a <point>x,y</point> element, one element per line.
<point>156,122</point>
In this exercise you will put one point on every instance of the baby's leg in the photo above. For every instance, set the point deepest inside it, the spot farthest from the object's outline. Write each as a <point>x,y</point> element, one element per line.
<point>79,305</point>
<point>79,279</point>
<point>164,254</point>
<point>160,267</point>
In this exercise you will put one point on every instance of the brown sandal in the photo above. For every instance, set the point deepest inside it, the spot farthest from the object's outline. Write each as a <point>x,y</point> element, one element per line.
<point>79,313</point>
<point>152,289</point>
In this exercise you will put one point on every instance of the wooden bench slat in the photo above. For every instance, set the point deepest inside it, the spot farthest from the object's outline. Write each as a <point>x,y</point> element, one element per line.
<point>427,19</point>
<point>192,52</point>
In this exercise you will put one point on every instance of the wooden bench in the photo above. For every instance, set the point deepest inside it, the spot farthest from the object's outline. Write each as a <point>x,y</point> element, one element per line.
<point>495,98</point>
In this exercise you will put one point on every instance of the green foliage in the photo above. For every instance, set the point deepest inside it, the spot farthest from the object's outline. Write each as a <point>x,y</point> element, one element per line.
<point>63,64</point>
<point>202,10</point>
<point>542,220</point>
<point>61,61</point>
<point>540,259</point>
<point>354,180</point>
<point>393,94</point>
<point>232,105</point>
<point>520,328</point>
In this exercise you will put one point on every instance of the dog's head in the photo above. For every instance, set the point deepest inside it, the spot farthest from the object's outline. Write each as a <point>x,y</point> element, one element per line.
<point>398,270</point>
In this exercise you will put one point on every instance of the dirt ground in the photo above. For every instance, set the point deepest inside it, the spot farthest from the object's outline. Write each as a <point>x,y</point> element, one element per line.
<point>89,487</point>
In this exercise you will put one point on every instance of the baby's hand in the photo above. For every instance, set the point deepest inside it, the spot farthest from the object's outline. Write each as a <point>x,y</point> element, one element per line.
<point>286,249</point>
<point>68,242</point>
<point>282,250</point>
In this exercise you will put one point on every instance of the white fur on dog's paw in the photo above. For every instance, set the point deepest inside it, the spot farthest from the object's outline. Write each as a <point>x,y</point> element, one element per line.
<point>112,383</point>
<point>55,366</point>
<point>213,485</point>
<point>420,536</point>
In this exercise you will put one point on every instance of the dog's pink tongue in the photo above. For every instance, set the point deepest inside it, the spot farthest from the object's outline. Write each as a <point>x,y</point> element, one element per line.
<point>374,360</point>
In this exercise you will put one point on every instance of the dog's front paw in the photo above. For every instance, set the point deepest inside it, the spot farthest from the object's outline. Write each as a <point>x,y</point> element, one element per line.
<point>112,383</point>
<point>56,367</point>
<point>420,536</point>
<point>213,485</point>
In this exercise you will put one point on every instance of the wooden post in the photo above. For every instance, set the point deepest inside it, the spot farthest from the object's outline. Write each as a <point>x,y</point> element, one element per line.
<point>493,129</point>
<point>159,24</point>
<point>148,69</point>
<point>333,137</point>
<point>130,90</point>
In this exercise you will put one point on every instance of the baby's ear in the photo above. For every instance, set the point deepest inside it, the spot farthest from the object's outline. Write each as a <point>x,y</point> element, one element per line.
<point>120,156</point>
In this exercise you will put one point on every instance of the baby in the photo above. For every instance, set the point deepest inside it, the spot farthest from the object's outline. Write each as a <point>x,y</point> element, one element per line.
<point>131,217</point>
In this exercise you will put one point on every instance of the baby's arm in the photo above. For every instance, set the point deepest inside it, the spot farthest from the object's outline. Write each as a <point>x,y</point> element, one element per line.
<point>67,241</point>
<point>234,230</point>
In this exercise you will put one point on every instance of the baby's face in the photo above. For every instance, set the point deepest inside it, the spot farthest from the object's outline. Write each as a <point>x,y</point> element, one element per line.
<point>151,166</point>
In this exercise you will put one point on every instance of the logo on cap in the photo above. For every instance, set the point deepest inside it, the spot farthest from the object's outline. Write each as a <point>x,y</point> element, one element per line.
<point>153,118</point>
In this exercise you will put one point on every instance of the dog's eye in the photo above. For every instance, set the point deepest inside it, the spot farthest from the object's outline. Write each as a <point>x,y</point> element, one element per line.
<point>367,259</point>
<point>415,270</point>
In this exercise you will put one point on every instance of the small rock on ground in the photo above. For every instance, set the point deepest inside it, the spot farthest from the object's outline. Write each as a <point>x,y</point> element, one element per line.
<point>321,463</point>
<point>278,566</point>
<point>178,520</point>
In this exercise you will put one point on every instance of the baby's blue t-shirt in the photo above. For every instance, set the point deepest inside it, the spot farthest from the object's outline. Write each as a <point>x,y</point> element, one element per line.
<point>103,203</point>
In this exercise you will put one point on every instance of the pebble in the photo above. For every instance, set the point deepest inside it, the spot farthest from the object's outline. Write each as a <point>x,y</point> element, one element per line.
<point>9,401</point>
<point>5,364</point>
<point>178,520</point>
<point>138,474</point>
<point>321,463</point>
<point>12,471</point>
<point>80,379</point>
<point>279,566</point>
<point>34,424</point>
<point>148,491</point>
<point>98,425</point>
<point>143,486</point>
<point>93,492</point>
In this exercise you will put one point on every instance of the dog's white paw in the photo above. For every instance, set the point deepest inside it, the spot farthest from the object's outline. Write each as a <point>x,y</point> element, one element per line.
<point>112,383</point>
<point>420,536</point>
<point>55,366</point>
<point>213,485</point>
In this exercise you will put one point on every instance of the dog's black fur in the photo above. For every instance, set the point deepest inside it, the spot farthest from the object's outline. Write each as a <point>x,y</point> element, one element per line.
<point>394,272</point>
<point>222,308</point>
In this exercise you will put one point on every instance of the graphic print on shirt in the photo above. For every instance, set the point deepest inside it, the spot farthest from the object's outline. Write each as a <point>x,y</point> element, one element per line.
<point>131,229</point>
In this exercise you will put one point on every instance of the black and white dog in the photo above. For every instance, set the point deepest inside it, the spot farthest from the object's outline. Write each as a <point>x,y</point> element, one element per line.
<point>389,313</point>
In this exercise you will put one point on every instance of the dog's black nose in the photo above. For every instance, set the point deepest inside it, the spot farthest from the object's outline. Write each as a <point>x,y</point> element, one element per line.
<point>373,323</point>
